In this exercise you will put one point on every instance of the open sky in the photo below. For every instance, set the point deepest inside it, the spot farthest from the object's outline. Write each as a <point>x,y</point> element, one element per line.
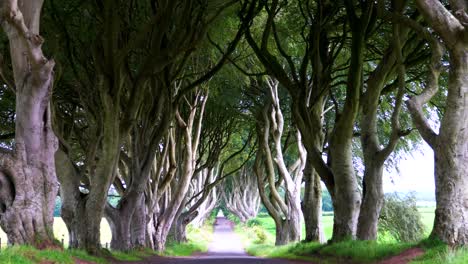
<point>416,172</point>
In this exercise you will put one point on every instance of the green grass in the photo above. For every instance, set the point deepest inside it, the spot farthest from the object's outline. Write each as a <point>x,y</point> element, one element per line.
<point>363,251</point>
<point>437,252</point>
<point>198,240</point>
<point>355,251</point>
<point>444,257</point>
<point>358,251</point>
<point>184,249</point>
<point>31,255</point>
<point>427,215</point>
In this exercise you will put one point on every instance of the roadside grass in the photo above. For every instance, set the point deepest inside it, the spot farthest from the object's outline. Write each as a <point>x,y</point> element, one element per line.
<point>31,255</point>
<point>352,251</point>
<point>437,252</point>
<point>363,251</point>
<point>198,241</point>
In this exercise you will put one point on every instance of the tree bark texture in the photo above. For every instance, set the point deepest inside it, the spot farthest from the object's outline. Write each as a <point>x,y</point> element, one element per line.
<point>27,173</point>
<point>450,145</point>
<point>375,154</point>
<point>286,211</point>
<point>241,197</point>
<point>312,205</point>
<point>190,130</point>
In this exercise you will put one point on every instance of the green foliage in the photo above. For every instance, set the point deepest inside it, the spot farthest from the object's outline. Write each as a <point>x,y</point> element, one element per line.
<point>253,222</point>
<point>233,218</point>
<point>7,113</point>
<point>261,235</point>
<point>58,206</point>
<point>113,200</point>
<point>327,204</point>
<point>401,219</point>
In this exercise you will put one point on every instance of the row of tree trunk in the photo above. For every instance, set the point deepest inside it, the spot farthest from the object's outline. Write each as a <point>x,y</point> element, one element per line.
<point>149,150</point>
<point>357,211</point>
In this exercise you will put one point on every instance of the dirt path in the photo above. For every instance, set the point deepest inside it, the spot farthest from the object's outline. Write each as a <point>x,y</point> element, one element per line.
<point>226,248</point>
<point>404,257</point>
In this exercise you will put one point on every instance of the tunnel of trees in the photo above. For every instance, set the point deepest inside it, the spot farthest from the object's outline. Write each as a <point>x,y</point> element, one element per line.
<point>179,106</point>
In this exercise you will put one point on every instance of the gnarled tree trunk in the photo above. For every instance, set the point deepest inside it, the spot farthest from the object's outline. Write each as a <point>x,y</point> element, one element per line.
<point>312,205</point>
<point>285,211</point>
<point>190,130</point>
<point>451,144</point>
<point>374,154</point>
<point>241,197</point>
<point>27,173</point>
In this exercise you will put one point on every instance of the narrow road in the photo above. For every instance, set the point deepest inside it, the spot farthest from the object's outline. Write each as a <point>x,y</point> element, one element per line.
<point>226,248</point>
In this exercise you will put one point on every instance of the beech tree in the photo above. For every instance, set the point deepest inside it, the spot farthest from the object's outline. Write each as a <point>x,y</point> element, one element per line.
<point>134,68</point>
<point>207,203</point>
<point>337,172</point>
<point>143,108</point>
<point>270,162</point>
<point>158,187</point>
<point>195,208</point>
<point>306,73</point>
<point>450,143</point>
<point>240,194</point>
<point>202,194</point>
<point>27,170</point>
<point>386,82</point>
<point>222,145</point>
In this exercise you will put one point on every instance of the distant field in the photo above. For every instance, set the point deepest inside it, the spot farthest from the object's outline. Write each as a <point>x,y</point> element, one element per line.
<point>61,232</point>
<point>427,215</point>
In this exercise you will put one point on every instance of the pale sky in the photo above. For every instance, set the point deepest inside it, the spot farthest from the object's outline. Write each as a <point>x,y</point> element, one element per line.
<point>416,172</point>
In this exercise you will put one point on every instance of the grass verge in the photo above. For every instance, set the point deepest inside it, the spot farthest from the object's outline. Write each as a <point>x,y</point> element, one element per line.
<point>349,251</point>
<point>436,252</point>
<point>31,255</point>
<point>198,240</point>
<point>258,238</point>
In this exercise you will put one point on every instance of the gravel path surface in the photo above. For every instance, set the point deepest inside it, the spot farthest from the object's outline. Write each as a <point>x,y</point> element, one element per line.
<point>226,248</point>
